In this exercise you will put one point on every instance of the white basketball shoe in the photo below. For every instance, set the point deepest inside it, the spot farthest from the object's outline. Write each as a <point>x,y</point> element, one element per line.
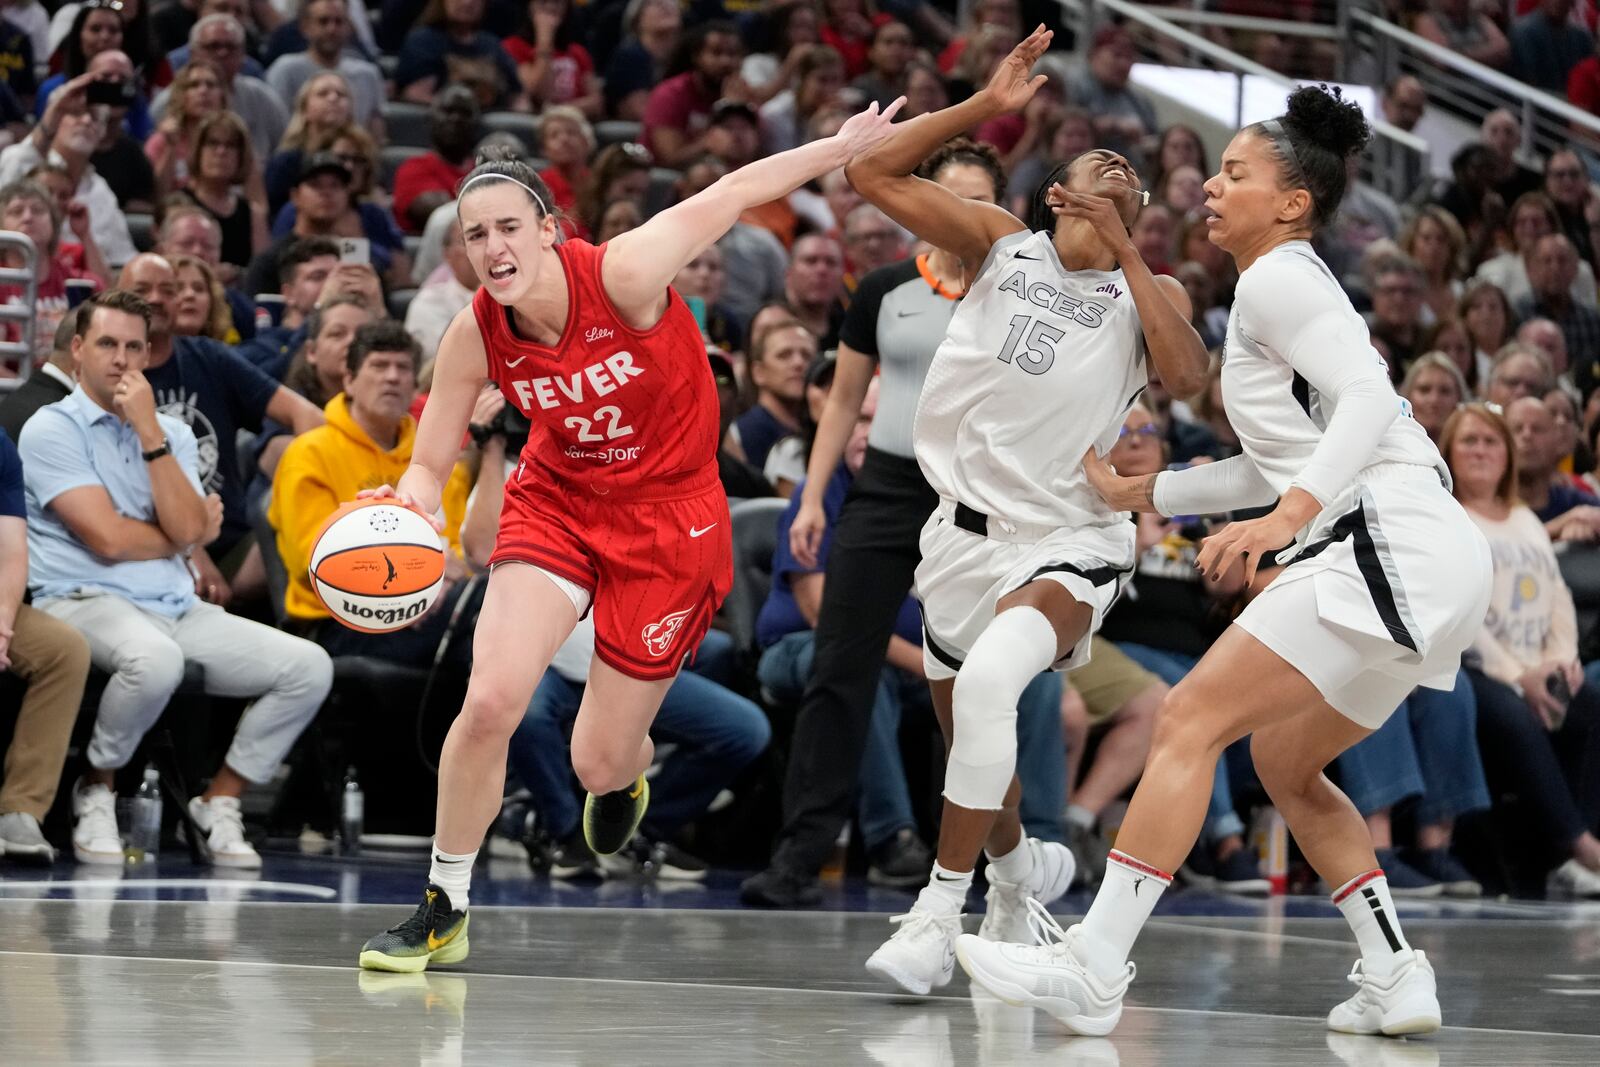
<point>1006,915</point>
<point>921,956</point>
<point>1051,975</point>
<point>1403,1002</point>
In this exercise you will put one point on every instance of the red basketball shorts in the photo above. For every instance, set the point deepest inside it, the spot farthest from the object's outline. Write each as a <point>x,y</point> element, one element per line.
<point>656,571</point>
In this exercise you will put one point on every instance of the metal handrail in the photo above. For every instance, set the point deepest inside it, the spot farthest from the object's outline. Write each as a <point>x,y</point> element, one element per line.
<point>1533,103</point>
<point>1395,154</point>
<point>24,314</point>
<point>1251,23</point>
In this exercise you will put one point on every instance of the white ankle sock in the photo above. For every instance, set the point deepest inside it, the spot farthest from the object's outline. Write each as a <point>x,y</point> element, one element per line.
<point>1014,866</point>
<point>1369,909</point>
<point>946,891</point>
<point>1126,897</point>
<point>453,874</point>
<point>1080,816</point>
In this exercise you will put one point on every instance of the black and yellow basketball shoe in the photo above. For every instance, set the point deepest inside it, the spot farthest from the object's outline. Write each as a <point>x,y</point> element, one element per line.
<point>435,933</point>
<point>610,820</point>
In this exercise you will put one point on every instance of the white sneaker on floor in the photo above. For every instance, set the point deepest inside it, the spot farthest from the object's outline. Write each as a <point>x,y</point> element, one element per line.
<point>1050,975</point>
<point>1403,1002</point>
<point>223,823</point>
<point>1005,917</point>
<point>1573,879</point>
<point>95,838</point>
<point>921,956</point>
<point>22,839</point>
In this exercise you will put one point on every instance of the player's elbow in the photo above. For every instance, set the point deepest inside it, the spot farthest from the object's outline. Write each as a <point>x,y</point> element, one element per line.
<point>1188,378</point>
<point>865,174</point>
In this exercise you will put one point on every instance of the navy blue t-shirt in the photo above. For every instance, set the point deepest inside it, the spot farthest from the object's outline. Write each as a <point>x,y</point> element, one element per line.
<point>780,615</point>
<point>216,393</point>
<point>13,499</point>
<point>426,53</point>
<point>1564,496</point>
<point>759,429</point>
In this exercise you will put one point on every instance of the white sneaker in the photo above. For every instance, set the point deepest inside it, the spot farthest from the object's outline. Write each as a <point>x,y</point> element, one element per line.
<point>223,824</point>
<point>22,839</point>
<point>1050,975</point>
<point>1006,915</point>
<point>921,956</point>
<point>1573,879</point>
<point>1404,1001</point>
<point>94,837</point>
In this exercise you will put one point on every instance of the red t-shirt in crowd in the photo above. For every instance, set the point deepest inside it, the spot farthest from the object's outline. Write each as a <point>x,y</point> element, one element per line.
<point>853,49</point>
<point>1583,85</point>
<point>569,67</point>
<point>424,174</point>
<point>677,104</point>
<point>566,200</point>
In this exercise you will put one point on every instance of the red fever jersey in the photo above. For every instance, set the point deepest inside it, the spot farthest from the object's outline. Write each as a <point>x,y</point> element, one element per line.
<point>617,488</point>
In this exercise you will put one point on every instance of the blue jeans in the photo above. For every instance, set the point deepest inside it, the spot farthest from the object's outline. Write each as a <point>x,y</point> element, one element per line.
<point>1428,749</point>
<point>716,733</point>
<point>1222,820</point>
<point>883,806</point>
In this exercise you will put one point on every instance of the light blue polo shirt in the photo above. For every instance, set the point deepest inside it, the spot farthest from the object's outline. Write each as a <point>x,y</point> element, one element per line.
<point>73,443</point>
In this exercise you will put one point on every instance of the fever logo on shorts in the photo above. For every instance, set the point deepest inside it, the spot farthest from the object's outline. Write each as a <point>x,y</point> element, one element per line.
<point>658,636</point>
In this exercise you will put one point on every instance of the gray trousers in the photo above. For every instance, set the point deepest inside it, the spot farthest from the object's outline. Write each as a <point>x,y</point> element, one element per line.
<point>145,653</point>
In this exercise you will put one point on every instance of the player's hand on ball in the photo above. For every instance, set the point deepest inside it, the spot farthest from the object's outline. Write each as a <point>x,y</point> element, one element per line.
<point>405,500</point>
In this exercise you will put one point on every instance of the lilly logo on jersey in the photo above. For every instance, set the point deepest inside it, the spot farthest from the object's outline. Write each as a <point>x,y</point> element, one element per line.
<point>658,635</point>
<point>593,381</point>
<point>596,333</point>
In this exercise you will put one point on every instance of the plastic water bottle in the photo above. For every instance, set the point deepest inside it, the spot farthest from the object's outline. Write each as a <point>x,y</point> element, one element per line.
<point>352,811</point>
<point>145,836</point>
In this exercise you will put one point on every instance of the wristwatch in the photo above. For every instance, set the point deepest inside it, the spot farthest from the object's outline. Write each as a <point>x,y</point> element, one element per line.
<point>163,449</point>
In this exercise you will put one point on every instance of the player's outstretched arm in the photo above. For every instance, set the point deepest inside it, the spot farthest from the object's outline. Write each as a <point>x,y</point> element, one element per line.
<point>965,228</point>
<point>459,371</point>
<point>640,264</point>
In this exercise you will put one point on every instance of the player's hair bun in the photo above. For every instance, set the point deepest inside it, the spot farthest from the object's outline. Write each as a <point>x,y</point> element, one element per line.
<point>1321,115</point>
<point>498,153</point>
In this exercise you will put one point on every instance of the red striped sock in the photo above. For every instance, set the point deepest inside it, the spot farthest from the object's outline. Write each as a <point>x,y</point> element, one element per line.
<point>1126,897</point>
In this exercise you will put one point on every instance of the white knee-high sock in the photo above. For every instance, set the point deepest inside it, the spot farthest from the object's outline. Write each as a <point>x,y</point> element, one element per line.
<point>1126,897</point>
<point>453,874</point>
<point>1369,909</point>
<point>1010,652</point>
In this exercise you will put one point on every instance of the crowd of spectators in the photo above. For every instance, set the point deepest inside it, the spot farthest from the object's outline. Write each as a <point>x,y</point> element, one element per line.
<point>263,353</point>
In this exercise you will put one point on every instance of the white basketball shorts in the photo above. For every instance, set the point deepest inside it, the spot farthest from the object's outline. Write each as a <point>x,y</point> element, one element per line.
<point>1389,591</point>
<point>965,572</point>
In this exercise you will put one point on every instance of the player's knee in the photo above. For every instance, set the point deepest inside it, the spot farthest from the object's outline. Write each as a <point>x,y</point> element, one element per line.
<point>490,712</point>
<point>1186,725</point>
<point>601,770</point>
<point>1282,774</point>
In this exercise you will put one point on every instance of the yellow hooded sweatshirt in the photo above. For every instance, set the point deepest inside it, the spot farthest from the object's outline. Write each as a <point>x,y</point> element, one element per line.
<point>328,466</point>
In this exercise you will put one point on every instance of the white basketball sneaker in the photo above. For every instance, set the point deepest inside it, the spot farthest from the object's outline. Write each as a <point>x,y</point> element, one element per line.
<point>1405,1001</point>
<point>1050,975</point>
<point>921,956</point>
<point>1006,915</point>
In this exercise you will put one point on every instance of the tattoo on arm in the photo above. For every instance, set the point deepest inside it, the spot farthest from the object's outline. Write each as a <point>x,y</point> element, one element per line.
<point>1147,491</point>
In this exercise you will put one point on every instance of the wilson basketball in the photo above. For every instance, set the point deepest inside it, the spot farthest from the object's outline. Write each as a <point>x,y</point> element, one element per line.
<point>377,565</point>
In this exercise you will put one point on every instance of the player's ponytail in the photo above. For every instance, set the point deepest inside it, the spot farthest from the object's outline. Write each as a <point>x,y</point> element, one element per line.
<point>502,165</point>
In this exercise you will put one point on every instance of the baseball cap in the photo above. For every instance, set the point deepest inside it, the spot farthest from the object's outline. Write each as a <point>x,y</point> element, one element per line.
<point>728,108</point>
<point>322,163</point>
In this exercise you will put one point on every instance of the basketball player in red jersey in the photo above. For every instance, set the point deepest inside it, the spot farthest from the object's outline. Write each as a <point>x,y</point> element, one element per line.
<point>615,504</point>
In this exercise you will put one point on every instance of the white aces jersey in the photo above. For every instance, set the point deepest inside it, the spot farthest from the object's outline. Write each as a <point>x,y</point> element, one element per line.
<point>1292,324</point>
<point>1039,364</point>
